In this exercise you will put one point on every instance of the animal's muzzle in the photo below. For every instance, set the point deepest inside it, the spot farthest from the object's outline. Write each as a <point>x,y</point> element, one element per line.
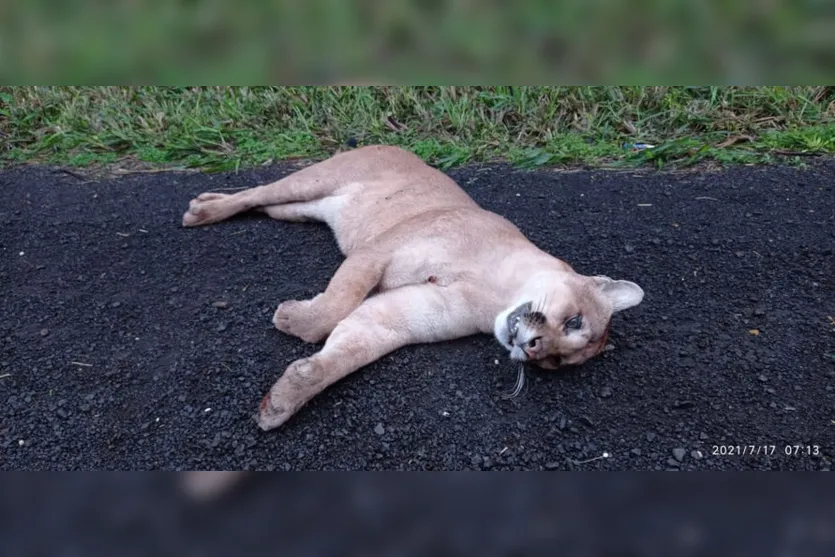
<point>516,316</point>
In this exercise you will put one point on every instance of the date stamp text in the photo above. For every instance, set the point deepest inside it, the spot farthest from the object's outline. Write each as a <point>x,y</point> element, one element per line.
<point>766,450</point>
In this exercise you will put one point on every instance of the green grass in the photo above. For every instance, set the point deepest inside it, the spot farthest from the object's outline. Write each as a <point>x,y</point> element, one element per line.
<point>221,128</point>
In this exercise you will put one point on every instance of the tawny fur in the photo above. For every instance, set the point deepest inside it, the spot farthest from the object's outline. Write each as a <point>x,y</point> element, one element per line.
<point>424,263</point>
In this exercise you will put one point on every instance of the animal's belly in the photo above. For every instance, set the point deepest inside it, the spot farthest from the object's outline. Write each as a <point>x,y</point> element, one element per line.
<point>397,277</point>
<point>420,264</point>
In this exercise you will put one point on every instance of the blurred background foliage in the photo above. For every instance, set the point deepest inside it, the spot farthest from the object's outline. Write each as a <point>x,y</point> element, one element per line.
<point>417,41</point>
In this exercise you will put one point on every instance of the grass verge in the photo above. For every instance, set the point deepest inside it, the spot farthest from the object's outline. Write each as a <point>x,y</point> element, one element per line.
<point>223,128</point>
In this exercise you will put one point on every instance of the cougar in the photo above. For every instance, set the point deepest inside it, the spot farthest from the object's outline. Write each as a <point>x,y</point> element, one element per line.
<point>423,263</point>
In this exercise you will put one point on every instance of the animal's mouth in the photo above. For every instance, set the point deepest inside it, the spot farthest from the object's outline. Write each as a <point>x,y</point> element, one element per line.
<point>515,317</point>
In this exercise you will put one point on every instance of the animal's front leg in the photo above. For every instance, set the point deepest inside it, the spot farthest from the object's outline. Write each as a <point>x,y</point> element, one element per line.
<point>383,323</point>
<point>313,320</point>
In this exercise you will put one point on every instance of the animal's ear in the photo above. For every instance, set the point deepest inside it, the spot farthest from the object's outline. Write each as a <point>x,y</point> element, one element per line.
<point>621,293</point>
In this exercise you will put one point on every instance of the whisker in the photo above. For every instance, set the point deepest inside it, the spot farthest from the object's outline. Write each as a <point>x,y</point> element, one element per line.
<point>520,383</point>
<point>540,306</point>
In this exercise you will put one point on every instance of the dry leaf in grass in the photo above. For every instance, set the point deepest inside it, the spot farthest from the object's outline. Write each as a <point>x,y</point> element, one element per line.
<point>733,140</point>
<point>394,125</point>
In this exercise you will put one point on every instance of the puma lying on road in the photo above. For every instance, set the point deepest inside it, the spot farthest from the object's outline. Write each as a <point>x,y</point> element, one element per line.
<point>424,263</point>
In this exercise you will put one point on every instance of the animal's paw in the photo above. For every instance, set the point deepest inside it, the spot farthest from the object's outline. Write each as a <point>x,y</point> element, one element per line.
<point>300,319</point>
<point>272,413</point>
<point>301,380</point>
<point>203,209</point>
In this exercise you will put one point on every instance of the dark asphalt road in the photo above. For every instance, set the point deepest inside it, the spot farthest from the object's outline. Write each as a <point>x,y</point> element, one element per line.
<point>112,355</point>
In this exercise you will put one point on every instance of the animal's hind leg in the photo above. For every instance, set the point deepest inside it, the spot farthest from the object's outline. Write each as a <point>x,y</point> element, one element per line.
<point>383,323</point>
<point>309,184</point>
<point>293,212</point>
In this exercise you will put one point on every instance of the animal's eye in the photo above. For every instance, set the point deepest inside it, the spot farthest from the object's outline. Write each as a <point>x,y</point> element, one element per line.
<point>575,322</point>
<point>534,342</point>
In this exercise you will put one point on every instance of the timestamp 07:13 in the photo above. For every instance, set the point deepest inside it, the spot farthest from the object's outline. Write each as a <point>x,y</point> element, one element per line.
<point>765,450</point>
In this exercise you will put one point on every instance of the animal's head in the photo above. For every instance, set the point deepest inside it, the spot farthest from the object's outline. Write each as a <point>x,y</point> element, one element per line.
<point>563,319</point>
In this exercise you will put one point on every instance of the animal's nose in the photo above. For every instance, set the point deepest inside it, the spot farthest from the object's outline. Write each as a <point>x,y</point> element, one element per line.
<point>518,354</point>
